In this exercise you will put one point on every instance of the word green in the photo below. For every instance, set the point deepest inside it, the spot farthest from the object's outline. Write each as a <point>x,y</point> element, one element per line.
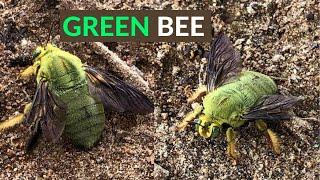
<point>106,26</point>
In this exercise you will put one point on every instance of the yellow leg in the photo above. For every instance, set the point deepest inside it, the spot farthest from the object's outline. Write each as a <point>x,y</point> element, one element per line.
<point>200,92</point>
<point>275,143</point>
<point>16,119</point>
<point>231,138</point>
<point>190,117</point>
<point>30,71</point>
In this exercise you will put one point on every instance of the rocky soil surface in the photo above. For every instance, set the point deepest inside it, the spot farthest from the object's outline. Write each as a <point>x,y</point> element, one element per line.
<point>277,38</point>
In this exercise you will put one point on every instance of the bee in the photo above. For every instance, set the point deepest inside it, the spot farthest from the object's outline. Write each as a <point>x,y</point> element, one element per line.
<point>232,97</point>
<point>73,99</point>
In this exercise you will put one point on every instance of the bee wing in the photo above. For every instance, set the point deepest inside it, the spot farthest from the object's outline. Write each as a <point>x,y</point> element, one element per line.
<point>224,62</point>
<point>117,95</point>
<point>272,107</point>
<point>45,113</point>
<point>35,132</point>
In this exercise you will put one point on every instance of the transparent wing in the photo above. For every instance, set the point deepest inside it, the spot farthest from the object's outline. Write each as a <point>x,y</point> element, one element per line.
<point>117,95</point>
<point>224,62</point>
<point>46,113</point>
<point>272,107</point>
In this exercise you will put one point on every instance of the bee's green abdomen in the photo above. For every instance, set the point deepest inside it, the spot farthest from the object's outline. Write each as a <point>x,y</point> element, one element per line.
<point>85,117</point>
<point>228,102</point>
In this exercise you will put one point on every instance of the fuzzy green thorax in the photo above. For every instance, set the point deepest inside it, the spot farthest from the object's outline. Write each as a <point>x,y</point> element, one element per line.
<point>227,103</point>
<point>55,63</point>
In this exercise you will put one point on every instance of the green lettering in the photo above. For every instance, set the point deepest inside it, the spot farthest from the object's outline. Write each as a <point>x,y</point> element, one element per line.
<point>89,24</point>
<point>120,26</point>
<point>143,29</point>
<point>105,25</point>
<point>77,28</point>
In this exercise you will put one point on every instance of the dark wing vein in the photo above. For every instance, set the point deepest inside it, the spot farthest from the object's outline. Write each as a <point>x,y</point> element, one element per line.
<point>46,113</point>
<point>224,62</point>
<point>272,107</point>
<point>117,95</point>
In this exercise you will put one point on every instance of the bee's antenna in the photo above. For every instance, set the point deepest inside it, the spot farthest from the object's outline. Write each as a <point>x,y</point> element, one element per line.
<point>35,36</point>
<point>50,31</point>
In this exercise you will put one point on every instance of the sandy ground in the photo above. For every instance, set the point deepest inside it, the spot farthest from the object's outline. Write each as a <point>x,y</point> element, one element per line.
<point>280,39</point>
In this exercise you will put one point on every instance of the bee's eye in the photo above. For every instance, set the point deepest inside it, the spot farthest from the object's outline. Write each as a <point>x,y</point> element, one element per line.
<point>36,53</point>
<point>197,123</point>
<point>215,132</point>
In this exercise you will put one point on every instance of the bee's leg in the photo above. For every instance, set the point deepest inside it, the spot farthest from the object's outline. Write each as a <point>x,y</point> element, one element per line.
<point>16,119</point>
<point>231,138</point>
<point>189,117</point>
<point>30,71</point>
<point>275,143</point>
<point>200,92</point>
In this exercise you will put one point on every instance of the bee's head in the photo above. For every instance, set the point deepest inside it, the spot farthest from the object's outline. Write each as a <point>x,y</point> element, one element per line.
<point>206,126</point>
<point>37,57</point>
<point>37,53</point>
<point>40,51</point>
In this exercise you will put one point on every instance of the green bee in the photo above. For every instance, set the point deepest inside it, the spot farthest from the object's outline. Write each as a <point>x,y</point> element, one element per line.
<point>234,97</point>
<point>73,98</point>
